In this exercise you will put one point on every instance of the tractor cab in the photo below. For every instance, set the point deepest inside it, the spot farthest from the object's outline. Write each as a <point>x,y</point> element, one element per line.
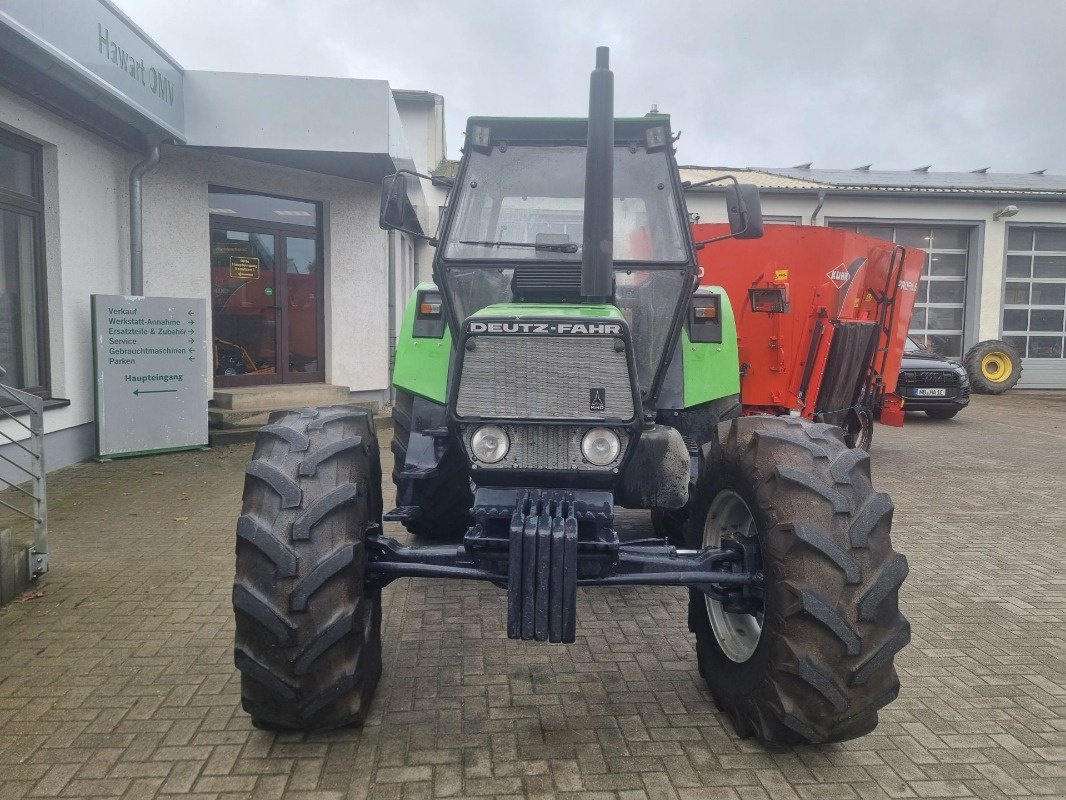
<point>514,230</point>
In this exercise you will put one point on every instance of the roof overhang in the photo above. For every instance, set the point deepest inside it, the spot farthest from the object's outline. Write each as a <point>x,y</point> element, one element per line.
<point>334,126</point>
<point>89,62</point>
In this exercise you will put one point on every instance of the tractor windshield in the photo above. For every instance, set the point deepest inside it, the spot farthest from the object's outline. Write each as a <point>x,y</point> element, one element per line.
<point>524,203</point>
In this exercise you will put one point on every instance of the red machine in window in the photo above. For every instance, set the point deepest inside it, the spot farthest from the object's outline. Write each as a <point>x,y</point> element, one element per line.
<point>822,316</point>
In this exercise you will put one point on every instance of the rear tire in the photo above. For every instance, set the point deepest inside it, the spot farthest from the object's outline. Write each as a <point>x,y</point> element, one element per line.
<point>823,662</point>
<point>993,366</point>
<point>308,633</point>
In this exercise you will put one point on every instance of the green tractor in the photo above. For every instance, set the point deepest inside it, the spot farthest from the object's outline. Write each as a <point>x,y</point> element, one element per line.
<point>565,362</point>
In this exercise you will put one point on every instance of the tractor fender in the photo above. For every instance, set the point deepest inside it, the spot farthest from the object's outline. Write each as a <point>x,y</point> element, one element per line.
<point>657,475</point>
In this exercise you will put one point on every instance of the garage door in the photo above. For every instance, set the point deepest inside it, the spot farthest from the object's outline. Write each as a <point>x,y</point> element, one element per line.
<point>1034,303</point>
<point>940,308</point>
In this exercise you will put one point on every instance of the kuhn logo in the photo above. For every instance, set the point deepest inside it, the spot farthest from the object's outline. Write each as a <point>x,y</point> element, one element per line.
<point>908,286</point>
<point>839,276</point>
<point>556,328</point>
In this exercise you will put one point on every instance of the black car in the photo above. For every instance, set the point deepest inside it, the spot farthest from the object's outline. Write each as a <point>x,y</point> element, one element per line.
<point>932,383</point>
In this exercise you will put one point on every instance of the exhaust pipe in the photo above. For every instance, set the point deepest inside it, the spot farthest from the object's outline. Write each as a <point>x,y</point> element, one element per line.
<point>597,252</point>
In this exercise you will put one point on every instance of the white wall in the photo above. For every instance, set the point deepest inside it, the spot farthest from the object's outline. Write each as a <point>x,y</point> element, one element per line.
<point>423,128</point>
<point>177,249</point>
<point>86,224</point>
<point>423,125</point>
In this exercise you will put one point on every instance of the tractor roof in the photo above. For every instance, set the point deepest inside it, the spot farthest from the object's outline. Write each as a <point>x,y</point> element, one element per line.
<point>569,129</point>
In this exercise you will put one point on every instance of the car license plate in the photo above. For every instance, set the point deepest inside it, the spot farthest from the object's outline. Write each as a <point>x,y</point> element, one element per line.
<point>930,392</point>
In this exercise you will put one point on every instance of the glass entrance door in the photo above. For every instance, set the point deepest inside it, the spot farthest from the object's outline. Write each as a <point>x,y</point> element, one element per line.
<point>244,304</point>
<point>302,331</point>
<point>266,288</point>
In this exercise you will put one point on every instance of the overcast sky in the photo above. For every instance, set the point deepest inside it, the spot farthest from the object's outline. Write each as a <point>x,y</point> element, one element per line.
<point>959,84</point>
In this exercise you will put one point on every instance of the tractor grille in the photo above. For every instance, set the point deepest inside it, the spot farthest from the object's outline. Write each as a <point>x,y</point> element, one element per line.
<point>545,378</point>
<point>928,377</point>
<point>547,447</point>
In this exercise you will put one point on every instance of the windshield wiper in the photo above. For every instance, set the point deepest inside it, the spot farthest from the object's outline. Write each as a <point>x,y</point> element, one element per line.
<point>551,248</point>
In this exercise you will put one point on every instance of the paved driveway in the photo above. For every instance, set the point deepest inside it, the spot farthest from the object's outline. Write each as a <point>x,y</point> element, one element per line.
<point>119,680</point>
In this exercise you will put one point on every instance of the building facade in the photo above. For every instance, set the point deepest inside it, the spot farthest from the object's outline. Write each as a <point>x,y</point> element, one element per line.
<point>260,194</point>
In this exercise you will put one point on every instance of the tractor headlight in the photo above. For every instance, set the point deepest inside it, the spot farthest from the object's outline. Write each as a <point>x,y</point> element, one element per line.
<point>489,444</point>
<point>600,446</point>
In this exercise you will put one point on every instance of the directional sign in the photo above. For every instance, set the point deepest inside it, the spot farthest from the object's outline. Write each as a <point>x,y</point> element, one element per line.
<point>151,372</point>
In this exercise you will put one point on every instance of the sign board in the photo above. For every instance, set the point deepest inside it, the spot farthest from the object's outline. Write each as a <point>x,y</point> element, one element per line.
<point>151,373</point>
<point>244,267</point>
<point>97,41</point>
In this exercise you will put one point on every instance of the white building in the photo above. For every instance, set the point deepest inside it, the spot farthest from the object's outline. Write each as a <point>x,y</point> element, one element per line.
<point>997,246</point>
<point>282,173</point>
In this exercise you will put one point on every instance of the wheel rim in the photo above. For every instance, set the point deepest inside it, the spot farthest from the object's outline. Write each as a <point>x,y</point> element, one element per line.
<point>995,367</point>
<point>738,634</point>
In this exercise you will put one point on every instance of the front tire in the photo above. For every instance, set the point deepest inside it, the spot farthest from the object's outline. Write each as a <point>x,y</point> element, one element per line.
<point>308,633</point>
<point>822,661</point>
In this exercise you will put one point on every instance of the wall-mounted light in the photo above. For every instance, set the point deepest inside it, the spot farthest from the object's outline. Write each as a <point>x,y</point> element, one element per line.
<point>1006,211</point>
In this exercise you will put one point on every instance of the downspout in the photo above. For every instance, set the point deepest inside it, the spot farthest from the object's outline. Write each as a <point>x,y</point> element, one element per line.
<point>136,228</point>
<point>817,208</point>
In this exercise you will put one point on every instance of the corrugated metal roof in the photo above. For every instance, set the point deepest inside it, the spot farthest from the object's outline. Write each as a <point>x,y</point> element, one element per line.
<point>761,178</point>
<point>923,180</point>
<point>972,183</point>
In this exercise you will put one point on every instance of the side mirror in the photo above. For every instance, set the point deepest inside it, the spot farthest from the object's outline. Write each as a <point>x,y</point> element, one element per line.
<point>394,202</point>
<point>396,212</point>
<point>745,210</point>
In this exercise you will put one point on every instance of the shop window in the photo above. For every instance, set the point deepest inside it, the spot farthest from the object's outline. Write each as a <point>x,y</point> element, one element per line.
<point>22,308</point>
<point>1034,293</point>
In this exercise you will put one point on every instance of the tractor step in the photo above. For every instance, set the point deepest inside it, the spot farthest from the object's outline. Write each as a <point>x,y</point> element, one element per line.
<point>542,570</point>
<point>400,514</point>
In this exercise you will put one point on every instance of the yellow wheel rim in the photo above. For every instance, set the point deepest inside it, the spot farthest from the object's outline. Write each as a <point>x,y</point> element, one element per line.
<point>996,367</point>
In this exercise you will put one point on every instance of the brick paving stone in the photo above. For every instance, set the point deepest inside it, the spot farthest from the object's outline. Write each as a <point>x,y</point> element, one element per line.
<point>118,681</point>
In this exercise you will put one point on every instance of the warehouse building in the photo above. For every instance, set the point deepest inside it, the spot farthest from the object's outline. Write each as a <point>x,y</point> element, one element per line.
<point>996,245</point>
<point>259,194</point>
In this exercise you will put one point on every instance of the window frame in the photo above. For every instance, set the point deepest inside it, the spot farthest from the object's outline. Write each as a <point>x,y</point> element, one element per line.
<point>33,207</point>
<point>281,230</point>
<point>1004,306</point>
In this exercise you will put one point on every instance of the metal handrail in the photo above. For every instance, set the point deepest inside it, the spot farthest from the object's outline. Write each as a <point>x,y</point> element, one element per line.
<point>37,493</point>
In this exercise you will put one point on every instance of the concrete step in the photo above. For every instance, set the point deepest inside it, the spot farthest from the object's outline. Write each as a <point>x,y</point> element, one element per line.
<point>280,396</point>
<point>228,418</point>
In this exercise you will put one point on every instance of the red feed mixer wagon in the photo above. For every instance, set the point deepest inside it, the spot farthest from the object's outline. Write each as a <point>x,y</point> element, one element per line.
<point>822,317</point>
